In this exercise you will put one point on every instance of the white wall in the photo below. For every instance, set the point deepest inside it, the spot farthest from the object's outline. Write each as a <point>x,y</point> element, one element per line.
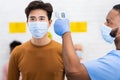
<point>92,11</point>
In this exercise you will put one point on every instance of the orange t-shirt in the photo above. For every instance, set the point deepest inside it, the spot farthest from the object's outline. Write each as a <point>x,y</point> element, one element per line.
<point>37,62</point>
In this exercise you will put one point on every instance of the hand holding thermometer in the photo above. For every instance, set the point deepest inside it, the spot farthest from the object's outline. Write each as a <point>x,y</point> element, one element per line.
<point>61,24</point>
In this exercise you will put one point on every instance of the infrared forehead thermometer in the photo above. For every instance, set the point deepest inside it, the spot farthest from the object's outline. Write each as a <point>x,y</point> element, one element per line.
<point>61,14</point>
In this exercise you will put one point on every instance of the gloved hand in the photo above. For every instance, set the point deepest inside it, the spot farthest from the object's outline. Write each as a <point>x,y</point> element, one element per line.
<point>61,26</point>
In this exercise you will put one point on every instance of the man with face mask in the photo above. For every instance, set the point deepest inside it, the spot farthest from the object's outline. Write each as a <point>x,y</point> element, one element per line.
<point>39,58</point>
<point>112,21</point>
<point>104,68</point>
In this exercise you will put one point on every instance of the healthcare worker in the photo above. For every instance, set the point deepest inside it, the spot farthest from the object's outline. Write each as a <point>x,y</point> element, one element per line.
<point>104,68</point>
<point>112,21</point>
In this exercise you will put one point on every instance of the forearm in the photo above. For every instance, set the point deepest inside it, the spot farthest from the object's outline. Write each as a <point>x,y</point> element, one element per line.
<point>71,60</point>
<point>74,69</point>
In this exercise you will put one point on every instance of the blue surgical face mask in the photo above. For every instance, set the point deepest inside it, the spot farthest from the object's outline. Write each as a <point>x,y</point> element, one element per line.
<point>105,31</point>
<point>38,29</point>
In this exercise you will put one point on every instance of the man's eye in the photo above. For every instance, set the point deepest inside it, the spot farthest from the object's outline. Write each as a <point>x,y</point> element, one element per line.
<point>41,19</point>
<point>32,19</point>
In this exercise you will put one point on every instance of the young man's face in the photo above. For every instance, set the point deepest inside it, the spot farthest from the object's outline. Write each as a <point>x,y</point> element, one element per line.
<point>38,15</point>
<point>113,19</point>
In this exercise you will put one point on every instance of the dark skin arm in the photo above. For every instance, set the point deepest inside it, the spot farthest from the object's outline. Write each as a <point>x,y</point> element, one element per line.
<point>74,69</point>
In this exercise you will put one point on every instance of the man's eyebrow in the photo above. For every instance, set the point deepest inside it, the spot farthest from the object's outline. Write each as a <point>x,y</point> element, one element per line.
<point>31,16</point>
<point>41,16</point>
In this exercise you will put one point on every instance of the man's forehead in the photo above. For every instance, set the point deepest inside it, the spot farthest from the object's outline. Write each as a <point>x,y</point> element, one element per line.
<point>112,14</point>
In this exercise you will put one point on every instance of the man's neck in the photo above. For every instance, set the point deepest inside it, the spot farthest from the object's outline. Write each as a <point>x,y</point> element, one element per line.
<point>40,42</point>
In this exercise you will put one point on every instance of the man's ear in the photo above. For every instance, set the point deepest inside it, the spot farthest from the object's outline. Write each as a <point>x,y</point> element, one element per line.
<point>50,22</point>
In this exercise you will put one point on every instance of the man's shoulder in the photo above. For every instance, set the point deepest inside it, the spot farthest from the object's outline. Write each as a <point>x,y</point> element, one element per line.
<point>56,43</point>
<point>21,48</point>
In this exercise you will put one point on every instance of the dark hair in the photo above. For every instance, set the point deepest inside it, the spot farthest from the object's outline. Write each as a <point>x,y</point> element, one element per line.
<point>38,4</point>
<point>117,7</point>
<point>14,44</point>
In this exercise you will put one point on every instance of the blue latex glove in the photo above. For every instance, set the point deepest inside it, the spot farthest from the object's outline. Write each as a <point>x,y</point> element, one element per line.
<point>61,26</point>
